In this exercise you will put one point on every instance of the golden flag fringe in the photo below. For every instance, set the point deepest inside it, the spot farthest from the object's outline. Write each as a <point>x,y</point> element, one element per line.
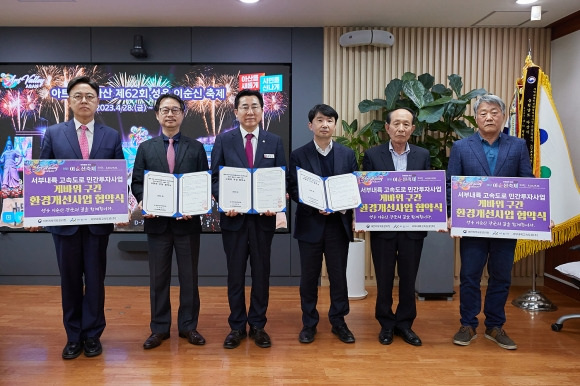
<point>534,117</point>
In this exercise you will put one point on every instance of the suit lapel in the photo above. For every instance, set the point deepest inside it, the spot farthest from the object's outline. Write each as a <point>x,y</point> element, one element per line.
<point>387,158</point>
<point>238,143</point>
<point>71,134</point>
<point>160,152</point>
<point>181,151</point>
<point>98,133</point>
<point>504,149</point>
<point>477,148</point>
<point>260,148</point>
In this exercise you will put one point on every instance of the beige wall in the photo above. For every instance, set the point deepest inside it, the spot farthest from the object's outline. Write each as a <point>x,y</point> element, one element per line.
<point>490,58</point>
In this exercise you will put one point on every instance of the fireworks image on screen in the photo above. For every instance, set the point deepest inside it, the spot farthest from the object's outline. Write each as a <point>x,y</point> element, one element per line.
<point>58,76</point>
<point>212,111</point>
<point>275,105</point>
<point>139,81</point>
<point>19,105</point>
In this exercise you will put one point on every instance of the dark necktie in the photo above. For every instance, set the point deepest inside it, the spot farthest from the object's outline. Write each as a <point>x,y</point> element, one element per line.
<point>84,142</point>
<point>250,150</point>
<point>171,155</point>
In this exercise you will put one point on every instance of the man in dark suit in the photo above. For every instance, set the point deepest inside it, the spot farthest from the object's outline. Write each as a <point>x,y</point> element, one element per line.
<point>489,152</point>
<point>81,251</point>
<point>171,152</point>
<point>402,249</point>
<point>319,232</point>
<point>247,234</point>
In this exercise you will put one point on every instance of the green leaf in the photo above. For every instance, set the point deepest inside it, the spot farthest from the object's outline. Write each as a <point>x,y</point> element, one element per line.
<point>427,80</point>
<point>461,129</point>
<point>368,105</point>
<point>470,119</point>
<point>431,114</point>
<point>393,93</point>
<point>473,94</point>
<point>408,76</point>
<point>414,90</point>
<point>441,90</point>
<point>455,83</point>
<point>349,129</point>
<point>342,140</point>
<point>440,101</point>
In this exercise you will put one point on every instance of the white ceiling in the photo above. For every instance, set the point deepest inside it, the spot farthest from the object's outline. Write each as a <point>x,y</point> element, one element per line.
<point>279,13</point>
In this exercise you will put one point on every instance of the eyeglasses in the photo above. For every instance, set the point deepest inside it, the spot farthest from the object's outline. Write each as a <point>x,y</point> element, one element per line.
<point>174,110</point>
<point>88,97</point>
<point>246,108</point>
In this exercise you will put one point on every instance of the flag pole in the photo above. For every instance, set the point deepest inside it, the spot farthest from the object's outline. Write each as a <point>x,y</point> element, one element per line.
<point>533,300</point>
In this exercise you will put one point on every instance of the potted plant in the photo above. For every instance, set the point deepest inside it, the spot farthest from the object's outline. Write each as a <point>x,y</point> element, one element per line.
<point>441,119</point>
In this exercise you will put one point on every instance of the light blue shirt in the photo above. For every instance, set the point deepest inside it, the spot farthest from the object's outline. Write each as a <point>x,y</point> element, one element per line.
<point>399,160</point>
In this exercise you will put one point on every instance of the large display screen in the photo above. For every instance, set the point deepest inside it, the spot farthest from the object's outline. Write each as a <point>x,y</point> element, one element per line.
<point>33,97</point>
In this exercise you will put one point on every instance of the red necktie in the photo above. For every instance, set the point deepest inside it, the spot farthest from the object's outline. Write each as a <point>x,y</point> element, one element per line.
<point>250,150</point>
<point>84,142</point>
<point>171,155</point>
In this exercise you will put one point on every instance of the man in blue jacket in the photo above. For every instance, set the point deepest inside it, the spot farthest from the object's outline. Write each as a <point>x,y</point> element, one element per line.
<point>488,152</point>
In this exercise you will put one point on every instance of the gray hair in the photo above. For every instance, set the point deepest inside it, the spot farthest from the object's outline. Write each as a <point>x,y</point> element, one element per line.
<point>491,99</point>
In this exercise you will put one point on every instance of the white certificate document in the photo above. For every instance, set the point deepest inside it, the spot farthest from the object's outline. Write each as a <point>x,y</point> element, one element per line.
<point>342,192</point>
<point>159,194</point>
<point>235,191</point>
<point>311,189</point>
<point>269,189</point>
<point>195,193</point>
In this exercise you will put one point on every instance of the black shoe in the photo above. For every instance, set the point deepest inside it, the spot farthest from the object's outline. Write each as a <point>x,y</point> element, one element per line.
<point>408,336</point>
<point>386,336</point>
<point>307,335</point>
<point>72,350</point>
<point>155,340</point>
<point>193,337</point>
<point>260,336</point>
<point>343,333</point>
<point>93,347</point>
<point>234,338</point>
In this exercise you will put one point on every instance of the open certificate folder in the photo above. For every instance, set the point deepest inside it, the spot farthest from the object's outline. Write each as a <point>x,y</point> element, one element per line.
<point>252,190</point>
<point>177,195</point>
<point>330,194</point>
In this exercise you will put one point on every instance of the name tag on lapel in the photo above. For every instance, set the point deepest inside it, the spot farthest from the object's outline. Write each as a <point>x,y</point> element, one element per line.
<point>269,156</point>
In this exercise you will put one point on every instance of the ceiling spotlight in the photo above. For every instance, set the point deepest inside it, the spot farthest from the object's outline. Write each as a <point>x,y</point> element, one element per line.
<point>522,2</point>
<point>536,13</point>
<point>249,1</point>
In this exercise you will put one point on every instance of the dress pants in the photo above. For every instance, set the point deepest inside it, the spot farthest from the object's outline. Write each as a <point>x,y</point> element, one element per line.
<point>334,246</point>
<point>499,256</point>
<point>405,253</point>
<point>82,262</point>
<point>161,248</point>
<point>252,241</point>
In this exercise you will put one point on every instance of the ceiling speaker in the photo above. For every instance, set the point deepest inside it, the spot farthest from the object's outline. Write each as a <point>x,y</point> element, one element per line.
<point>367,37</point>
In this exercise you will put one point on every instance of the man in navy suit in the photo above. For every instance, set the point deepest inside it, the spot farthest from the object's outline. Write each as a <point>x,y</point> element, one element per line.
<point>488,152</point>
<point>319,232</point>
<point>246,235</point>
<point>164,234</point>
<point>81,251</point>
<point>402,249</point>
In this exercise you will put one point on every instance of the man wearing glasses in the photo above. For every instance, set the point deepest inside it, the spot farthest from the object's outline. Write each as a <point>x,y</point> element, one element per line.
<point>247,235</point>
<point>81,251</point>
<point>171,152</point>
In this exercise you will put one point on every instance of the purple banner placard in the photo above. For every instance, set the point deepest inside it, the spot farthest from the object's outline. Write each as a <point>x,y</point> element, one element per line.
<point>500,207</point>
<point>402,201</point>
<point>66,192</point>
